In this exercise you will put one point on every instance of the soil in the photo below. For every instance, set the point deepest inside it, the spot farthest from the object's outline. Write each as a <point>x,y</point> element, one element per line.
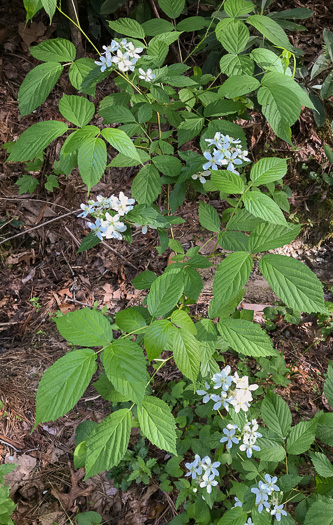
<point>41,273</point>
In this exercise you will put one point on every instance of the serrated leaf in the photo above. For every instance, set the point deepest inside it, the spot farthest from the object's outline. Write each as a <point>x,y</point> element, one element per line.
<point>77,110</point>
<point>106,389</point>
<point>267,236</point>
<point>328,385</point>
<point>320,512</point>
<point>88,242</point>
<point>130,320</point>
<point>322,464</point>
<point>293,282</point>
<point>121,142</point>
<point>76,139</point>
<point>106,446</point>
<point>186,354</point>
<point>172,8</point>
<point>78,71</point>
<point>88,518</point>
<point>246,338</point>
<point>50,7</point>
<point>64,383</point>
<point>235,8</point>
<point>158,424</point>
<point>233,35</point>
<point>285,81</point>
<point>231,275</point>
<point>165,293</point>
<point>144,280</point>
<point>268,170</point>
<point>168,165</point>
<point>232,64</point>
<point>127,27</point>
<point>121,161</point>
<point>208,217</point>
<point>262,206</point>
<point>270,30</point>
<point>192,23</point>
<point>325,429</point>
<point>27,184</point>
<point>92,160</point>
<point>146,185</point>
<point>32,7</point>
<point>234,241</point>
<point>301,437</point>
<point>243,221</point>
<point>125,366</point>
<point>35,139</point>
<point>219,108</point>
<point>234,516</point>
<point>276,414</point>
<point>54,50</point>
<point>158,337</point>
<point>37,85</point>
<point>189,129</point>
<point>227,182</point>
<point>267,60</point>
<point>157,26</point>
<point>183,320</point>
<point>270,450</point>
<point>238,85</point>
<point>85,327</point>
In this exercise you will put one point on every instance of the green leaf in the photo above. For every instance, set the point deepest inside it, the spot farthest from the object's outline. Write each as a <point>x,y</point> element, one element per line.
<point>219,108</point>
<point>270,450</point>
<point>130,319</point>
<point>51,182</point>
<point>78,71</point>
<point>231,275</point>
<point>172,8</point>
<point>92,160</point>
<point>189,129</point>
<point>235,8</point>
<point>127,27</point>
<point>88,242</point>
<point>146,185</point>
<point>226,128</point>
<point>232,64</point>
<point>157,26</point>
<point>125,366</point>
<point>50,7</point>
<point>328,385</point>
<point>227,182</point>
<point>328,39</point>
<point>267,236</point>
<point>54,50</point>
<point>168,165</point>
<point>320,512</point>
<point>325,429</point>
<point>77,110</point>
<point>322,464</point>
<point>27,184</point>
<point>183,320</point>
<point>144,280</point>
<point>301,437</point>
<point>121,161</point>
<point>243,221</point>
<point>186,354</point>
<point>89,518</point>
<point>32,7</point>
<point>64,383</point>
<point>262,206</point>
<point>276,414</point>
<point>270,30</point>
<point>106,389</point>
<point>192,23</point>
<point>246,338</point>
<point>268,170</point>
<point>293,282</point>
<point>234,241</point>
<point>165,293</point>
<point>267,60</point>
<point>238,85</point>
<point>285,81</point>
<point>121,142</point>
<point>158,337</point>
<point>106,446</point>
<point>193,283</point>
<point>158,424</point>
<point>37,85</point>
<point>233,35</point>
<point>76,139</point>
<point>85,327</point>
<point>208,217</point>
<point>35,139</point>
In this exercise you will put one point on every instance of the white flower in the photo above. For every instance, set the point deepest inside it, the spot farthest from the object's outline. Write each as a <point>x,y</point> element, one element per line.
<point>222,379</point>
<point>249,447</point>
<point>249,522</point>
<point>108,50</point>
<point>86,210</point>
<point>201,176</point>
<point>192,469</point>
<point>123,62</point>
<point>148,75</point>
<point>113,226</point>
<point>208,483</point>
<point>210,467</point>
<point>238,502</point>
<point>214,161</point>
<point>228,153</point>
<point>133,52</point>
<point>229,437</point>
<point>97,228</point>
<point>123,204</point>
<point>278,512</point>
<point>104,62</point>
<point>204,393</point>
<point>250,435</point>
<point>270,484</point>
<point>220,400</point>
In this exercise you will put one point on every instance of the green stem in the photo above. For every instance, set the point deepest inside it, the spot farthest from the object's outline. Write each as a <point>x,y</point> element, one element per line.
<point>80,29</point>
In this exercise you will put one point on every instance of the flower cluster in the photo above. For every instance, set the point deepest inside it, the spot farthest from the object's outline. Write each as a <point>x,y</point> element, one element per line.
<point>203,471</point>
<point>108,212</point>
<point>249,435</point>
<point>265,497</point>
<point>124,55</point>
<point>227,152</point>
<point>235,391</point>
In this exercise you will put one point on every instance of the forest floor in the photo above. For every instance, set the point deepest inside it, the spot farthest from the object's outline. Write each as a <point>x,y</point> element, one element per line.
<point>41,273</point>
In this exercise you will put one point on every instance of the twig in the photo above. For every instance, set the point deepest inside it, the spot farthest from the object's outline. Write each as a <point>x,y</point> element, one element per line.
<point>39,226</point>
<point>23,197</point>
<point>119,255</point>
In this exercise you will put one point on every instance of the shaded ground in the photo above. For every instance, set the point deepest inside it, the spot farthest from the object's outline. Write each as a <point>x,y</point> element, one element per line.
<point>43,265</point>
